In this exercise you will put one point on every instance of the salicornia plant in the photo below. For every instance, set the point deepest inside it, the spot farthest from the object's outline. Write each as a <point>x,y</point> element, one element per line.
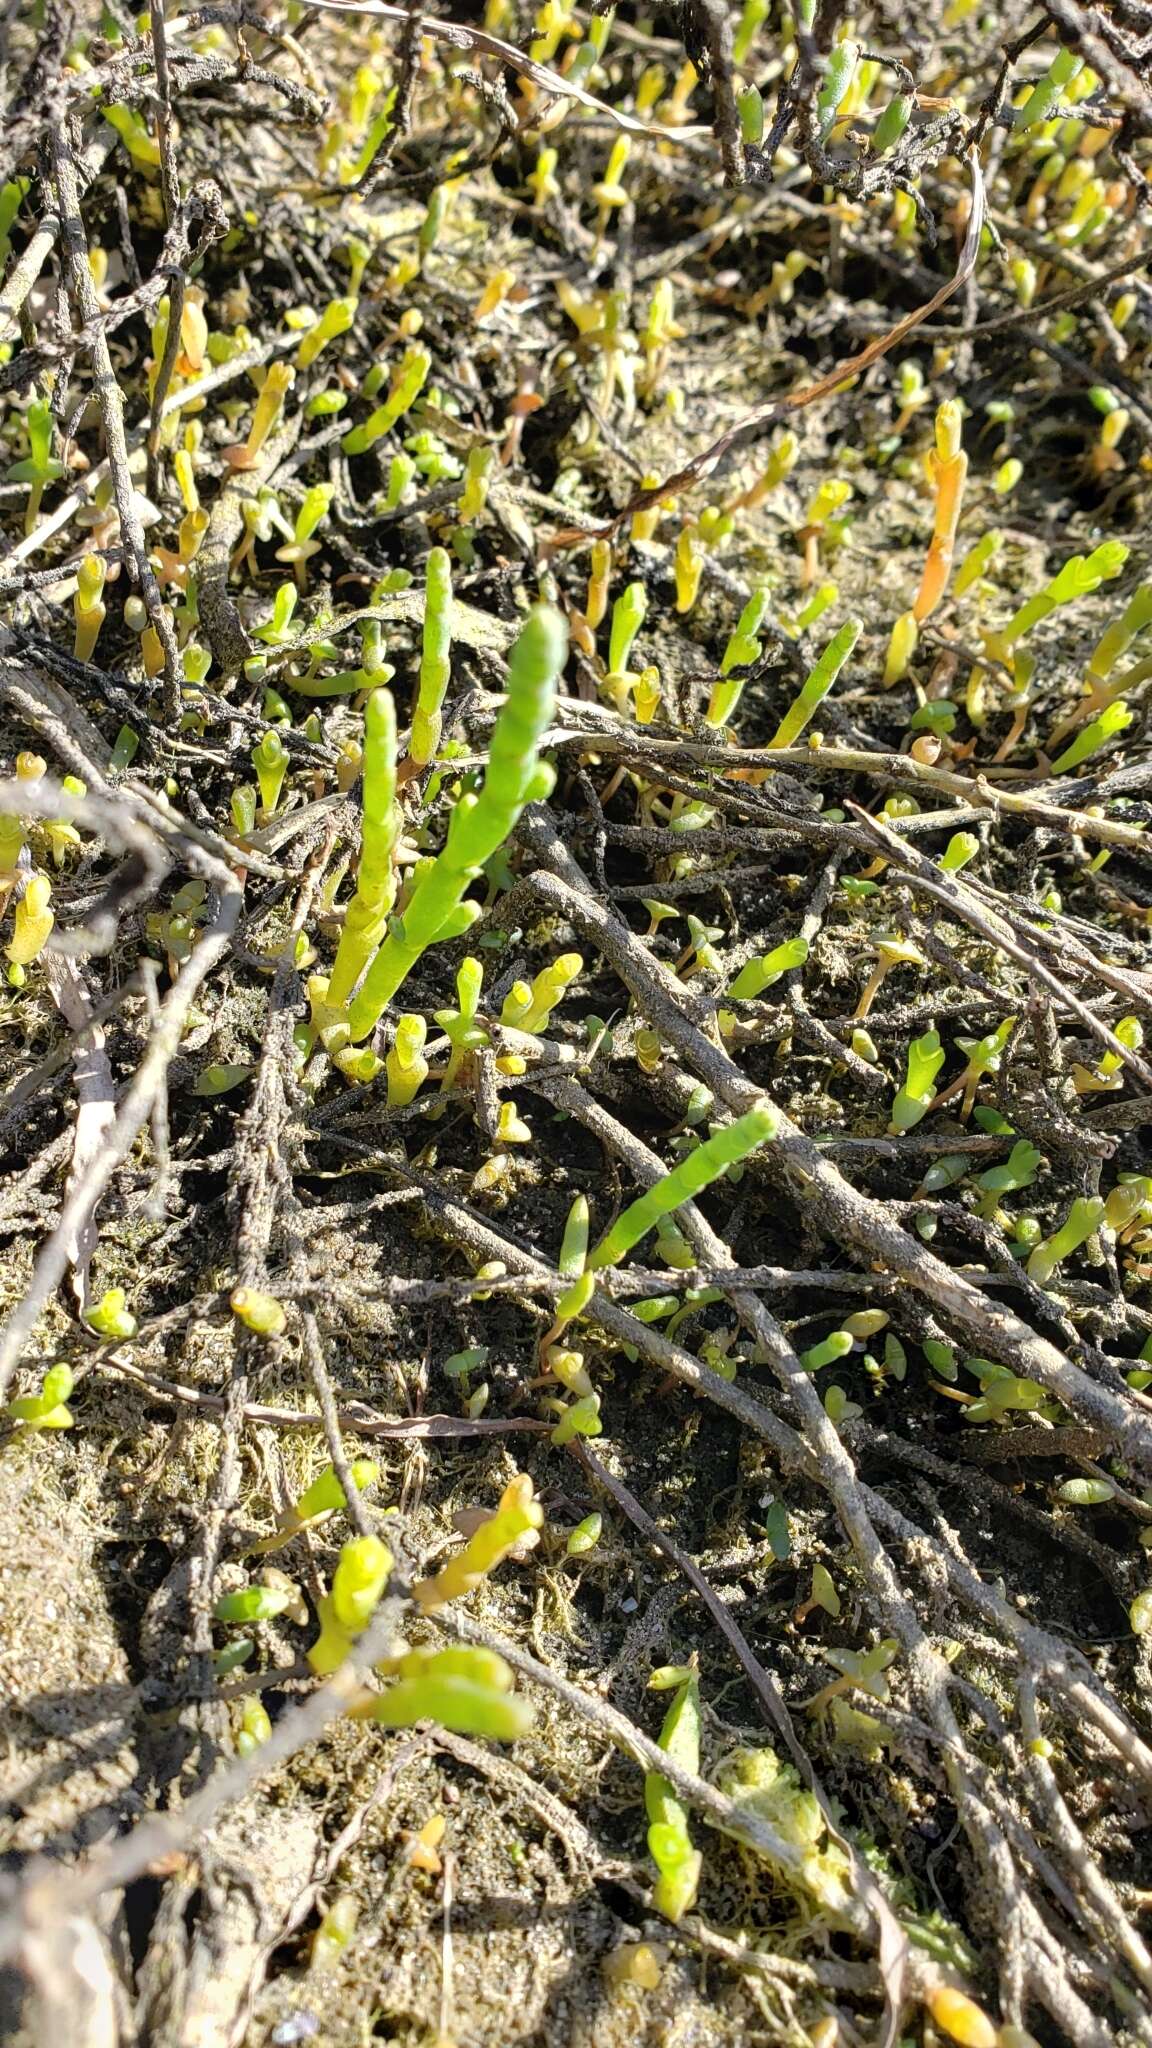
<point>757,975</point>
<point>466,1689</point>
<point>1080,576</point>
<point>366,918</point>
<point>404,1063</point>
<point>911,1102</point>
<point>669,1842</point>
<point>743,649</point>
<point>481,824</point>
<point>436,659</point>
<point>358,1585</point>
<point>516,1523</point>
<point>49,1408</point>
<point>407,383</point>
<point>464,1034</point>
<point>817,686</point>
<point>528,1008</point>
<point>1084,1218</point>
<point>39,467</point>
<point>947,470</point>
<point>324,1497</point>
<point>727,1147</point>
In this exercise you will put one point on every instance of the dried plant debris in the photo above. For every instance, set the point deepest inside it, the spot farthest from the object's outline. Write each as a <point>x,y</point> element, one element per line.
<point>575,654</point>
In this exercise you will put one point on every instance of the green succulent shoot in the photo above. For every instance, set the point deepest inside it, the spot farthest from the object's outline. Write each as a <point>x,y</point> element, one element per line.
<point>358,1586</point>
<point>270,760</point>
<point>49,1408</point>
<point>757,975</point>
<point>1080,576</point>
<point>528,1008</point>
<point>669,1842</point>
<point>366,918</point>
<point>324,1497</point>
<point>743,650</point>
<point>110,1316</point>
<point>481,824</point>
<point>461,1027</point>
<point>436,659</point>
<point>39,467</point>
<point>465,1689</point>
<point>408,381</point>
<point>1083,1220</point>
<point>912,1102</point>
<point>805,706</point>
<point>727,1147</point>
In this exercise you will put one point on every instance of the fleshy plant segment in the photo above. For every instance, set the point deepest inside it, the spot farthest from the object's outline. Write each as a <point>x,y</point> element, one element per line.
<point>366,918</point>
<point>480,824</point>
<point>436,660</point>
<point>727,1147</point>
<point>670,1846</point>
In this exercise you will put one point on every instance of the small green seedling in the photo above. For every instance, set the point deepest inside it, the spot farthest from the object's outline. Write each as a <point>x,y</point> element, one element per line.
<point>834,1347</point>
<point>436,660</point>
<point>480,824</point>
<point>366,919</point>
<point>839,71</point>
<point>1003,1397</point>
<point>334,1936</point>
<point>1108,725</point>
<point>753,15</point>
<point>817,686</point>
<point>1019,1170</point>
<point>961,848</point>
<point>39,467</point>
<point>324,1497</point>
<point>1080,576</point>
<point>251,1604</point>
<point>1108,1074</point>
<point>110,1317</point>
<point>984,1056</point>
<point>298,552</point>
<point>584,1537</point>
<point>88,605</point>
<point>757,975</point>
<point>233,1656</point>
<point>259,1312</point>
<point>892,123</point>
<point>335,320</point>
<point>1083,1220</point>
<point>1140,1613</point>
<point>515,1525</point>
<point>468,1690</point>
<point>1086,1493</point>
<point>579,1418</point>
<point>255,1726</point>
<point>219,1077</point>
<point>49,1408</point>
<point>669,1841</point>
<point>743,650</point>
<point>464,1034</point>
<point>727,1147</point>
<point>913,1101</point>
<point>627,618</point>
<point>529,1008</point>
<point>407,383</point>
<point>358,1586</point>
<point>404,1062</point>
<point>270,760</point>
<point>1045,94</point>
